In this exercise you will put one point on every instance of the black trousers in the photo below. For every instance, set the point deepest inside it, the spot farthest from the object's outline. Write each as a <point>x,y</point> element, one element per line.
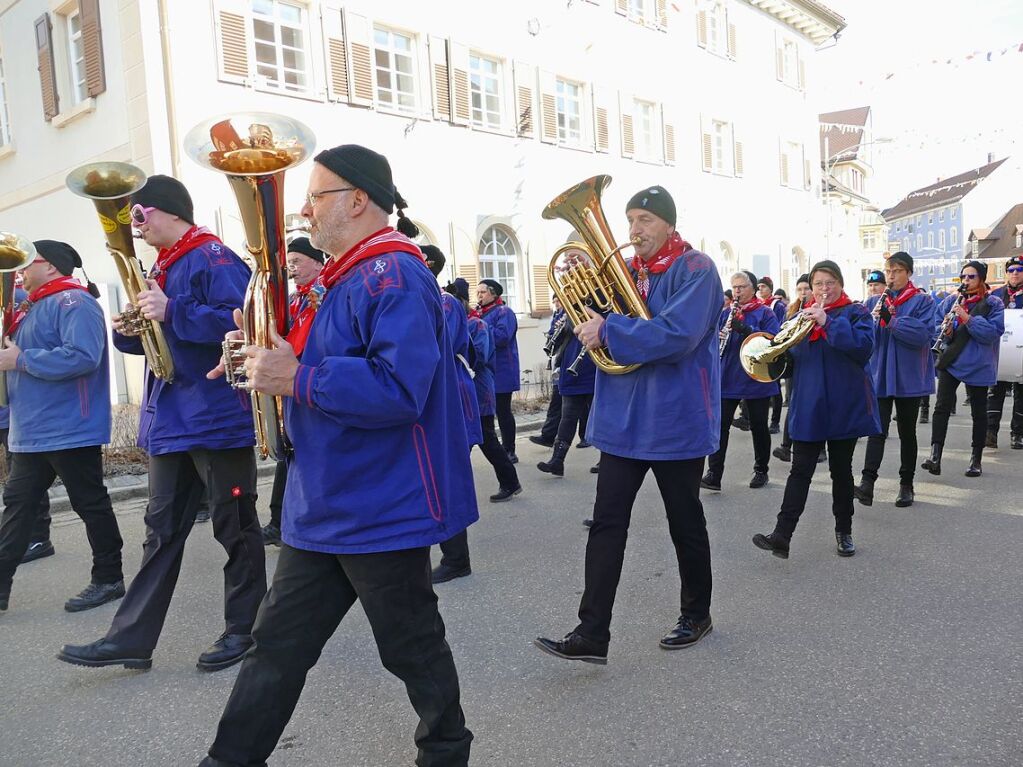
<point>41,525</point>
<point>507,477</point>
<point>776,401</point>
<point>549,430</point>
<point>176,484</point>
<point>996,401</point>
<point>506,420</point>
<point>797,487</point>
<point>575,409</point>
<point>943,405</point>
<point>758,411</point>
<point>618,483</point>
<point>907,409</point>
<point>310,594</point>
<point>277,493</point>
<point>81,471</point>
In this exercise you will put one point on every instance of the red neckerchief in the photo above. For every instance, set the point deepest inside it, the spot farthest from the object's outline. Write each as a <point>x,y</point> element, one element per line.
<point>166,258</point>
<point>838,303</point>
<point>907,293</point>
<point>751,306</point>
<point>661,260</point>
<point>58,285</point>
<point>488,308</point>
<point>385,241</point>
<point>1011,294</point>
<point>299,298</point>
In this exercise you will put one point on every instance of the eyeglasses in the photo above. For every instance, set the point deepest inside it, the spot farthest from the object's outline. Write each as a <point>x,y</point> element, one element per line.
<point>140,214</point>
<point>828,284</point>
<point>312,197</point>
<point>1014,269</point>
<point>969,276</point>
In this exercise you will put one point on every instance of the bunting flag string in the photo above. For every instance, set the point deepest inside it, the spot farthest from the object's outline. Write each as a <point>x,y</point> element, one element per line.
<point>955,61</point>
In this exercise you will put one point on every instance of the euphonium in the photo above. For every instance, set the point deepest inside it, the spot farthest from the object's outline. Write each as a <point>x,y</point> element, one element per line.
<point>15,253</point>
<point>110,186</point>
<point>595,276</point>
<point>760,352</point>
<point>254,149</point>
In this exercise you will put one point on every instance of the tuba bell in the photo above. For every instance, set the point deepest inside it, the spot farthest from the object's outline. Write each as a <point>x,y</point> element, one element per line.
<point>110,186</point>
<point>15,253</point>
<point>592,273</point>
<point>254,149</point>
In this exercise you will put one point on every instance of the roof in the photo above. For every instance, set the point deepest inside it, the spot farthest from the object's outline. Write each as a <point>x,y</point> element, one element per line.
<point>816,21</point>
<point>1002,236</point>
<point>842,141</point>
<point>940,193</point>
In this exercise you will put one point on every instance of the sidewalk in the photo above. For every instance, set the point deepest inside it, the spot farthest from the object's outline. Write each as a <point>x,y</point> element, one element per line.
<point>128,486</point>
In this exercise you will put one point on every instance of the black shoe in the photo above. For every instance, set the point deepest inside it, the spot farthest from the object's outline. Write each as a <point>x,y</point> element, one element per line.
<point>782,454</point>
<point>201,516</point>
<point>686,633</point>
<point>905,496</point>
<point>775,429</point>
<point>845,546</point>
<point>595,469</point>
<point>823,457</point>
<point>104,653</point>
<point>759,479</point>
<point>271,535</point>
<point>773,543</point>
<point>512,457</point>
<point>1016,442</point>
<point>574,647</point>
<point>556,465</point>
<point>975,469</point>
<point>505,493</point>
<point>864,492</point>
<point>933,463</point>
<point>38,550</point>
<point>225,652</point>
<point>924,416</point>
<point>5,600</point>
<point>587,522</point>
<point>991,440</point>
<point>710,482</point>
<point>583,443</point>
<point>541,440</point>
<point>444,573</point>
<point>94,595</point>
<point>740,423</point>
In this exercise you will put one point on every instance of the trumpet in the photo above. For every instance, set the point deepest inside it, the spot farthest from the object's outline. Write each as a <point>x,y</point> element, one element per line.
<point>726,332</point>
<point>941,342</point>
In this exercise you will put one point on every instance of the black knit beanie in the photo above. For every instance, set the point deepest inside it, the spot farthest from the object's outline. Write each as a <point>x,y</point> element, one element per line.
<point>766,281</point>
<point>831,268</point>
<point>64,259</point>
<point>752,278</point>
<point>167,194</point>
<point>303,246</point>
<point>902,257</point>
<point>434,258</point>
<point>656,200</point>
<point>459,288</point>
<point>495,287</point>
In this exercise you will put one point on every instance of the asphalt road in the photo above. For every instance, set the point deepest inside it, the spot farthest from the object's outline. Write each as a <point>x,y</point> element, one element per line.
<point>908,653</point>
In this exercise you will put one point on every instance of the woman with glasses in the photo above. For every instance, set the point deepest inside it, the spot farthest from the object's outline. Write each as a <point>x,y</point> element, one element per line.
<point>832,403</point>
<point>971,323</point>
<point>1012,296</point>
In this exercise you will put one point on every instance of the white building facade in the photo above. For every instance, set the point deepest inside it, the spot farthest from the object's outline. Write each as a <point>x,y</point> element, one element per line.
<point>486,111</point>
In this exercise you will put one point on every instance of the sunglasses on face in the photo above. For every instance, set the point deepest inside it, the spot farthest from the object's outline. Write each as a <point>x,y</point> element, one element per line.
<point>140,214</point>
<point>1014,269</point>
<point>969,276</point>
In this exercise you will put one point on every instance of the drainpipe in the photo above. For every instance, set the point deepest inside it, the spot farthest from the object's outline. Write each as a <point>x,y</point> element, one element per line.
<point>168,87</point>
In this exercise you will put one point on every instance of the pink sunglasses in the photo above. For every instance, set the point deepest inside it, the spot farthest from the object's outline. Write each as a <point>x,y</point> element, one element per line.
<point>140,214</point>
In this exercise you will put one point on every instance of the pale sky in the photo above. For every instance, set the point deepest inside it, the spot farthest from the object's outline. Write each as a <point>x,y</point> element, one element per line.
<point>945,118</point>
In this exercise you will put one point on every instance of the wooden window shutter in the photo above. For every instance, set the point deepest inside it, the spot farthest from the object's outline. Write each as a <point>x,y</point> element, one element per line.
<point>47,69</point>
<point>701,29</point>
<point>470,272</point>
<point>662,15</point>
<point>440,79</point>
<point>802,73</point>
<point>232,26</point>
<point>92,42</point>
<point>622,7</point>
<point>737,154</point>
<point>783,165</point>
<point>626,124</point>
<point>525,100</point>
<point>779,58</point>
<point>548,108</point>
<point>461,101</point>
<point>359,38</point>
<point>731,38</point>
<point>335,53</point>
<point>706,146</point>
<point>541,290</point>
<point>668,128</point>
<point>601,115</point>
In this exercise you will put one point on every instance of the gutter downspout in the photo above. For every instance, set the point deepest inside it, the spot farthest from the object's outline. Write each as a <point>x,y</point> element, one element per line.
<point>168,87</point>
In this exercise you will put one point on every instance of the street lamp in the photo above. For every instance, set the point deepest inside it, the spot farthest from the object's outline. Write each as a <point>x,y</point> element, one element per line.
<point>830,161</point>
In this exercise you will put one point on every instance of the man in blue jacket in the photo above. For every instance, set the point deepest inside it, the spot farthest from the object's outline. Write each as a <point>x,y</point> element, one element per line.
<point>1011,295</point>
<point>504,327</point>
<point>663,416</point>
<point>380,472</point>
<point>58,384</point>
<point>199,436</point>
<point>902,368</point>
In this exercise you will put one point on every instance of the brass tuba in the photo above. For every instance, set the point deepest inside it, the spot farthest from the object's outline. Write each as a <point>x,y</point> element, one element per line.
<point>255,166</point>
<point>760,352</point>
<point>596,278</point>
<point>110,186</point>
<point>15,253</point>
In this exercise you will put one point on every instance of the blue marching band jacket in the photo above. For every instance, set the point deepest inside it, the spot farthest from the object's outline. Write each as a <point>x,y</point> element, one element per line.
<point>902,364</point>
<point>977,363</point>
<point>458,333</point>
<point>484,364</point>
<point>735,382</point>
<point>501,319</point>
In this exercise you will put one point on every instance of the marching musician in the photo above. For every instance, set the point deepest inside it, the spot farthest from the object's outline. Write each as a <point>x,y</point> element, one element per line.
<point>902,367</point>
<point>832,402</point>
<point>304,265</point>
<point>664,416</point>
<point>748,314</point>
<point>505,327</point>
<point>784,451</point>
<point>876,283</point>
<point>554,339</point>
<point>971,324</point>
<point>1011,295</point>
<point>198,433</point>
<point>58,384</point>
<point>378,474</point>
<point>777,304</point>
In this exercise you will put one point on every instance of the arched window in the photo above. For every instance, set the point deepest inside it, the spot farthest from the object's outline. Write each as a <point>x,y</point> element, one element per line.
<point>729,262</point>
<point>499,256</point>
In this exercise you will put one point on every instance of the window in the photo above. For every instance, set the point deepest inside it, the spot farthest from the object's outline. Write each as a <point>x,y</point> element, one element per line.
<point>941,239</point>
<point>717,30</point>
<point>5,123</point>
<point>395,68</point>
<point>498,261</point>
<point>791,162</point>
<point>856,179</point>
<point>941,215</point>
<point>570,110</point>
<point>76,57</point>
<point>930,239</point>
<point>905,244</point>
<point>919,241</point>
<point>953,236</point>
<point>647,133</point>
<point>919,220</point>
<point>869,240</point>
<point>930,217</point>
<point>722,136</point>
<point>638,10</point>
<point>898,226</point>
<point>790,63</point>
<point>485,87</point>
<point>1019,240</point>
<point>975,248</point>
<point>954,212</point>
<point>278,31</point>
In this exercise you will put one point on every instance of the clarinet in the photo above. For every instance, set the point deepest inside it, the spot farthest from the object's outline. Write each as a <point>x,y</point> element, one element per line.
<point>941,344</point>
<point>876,314</point>
<point>554,337</point>
<point>728,329</point>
